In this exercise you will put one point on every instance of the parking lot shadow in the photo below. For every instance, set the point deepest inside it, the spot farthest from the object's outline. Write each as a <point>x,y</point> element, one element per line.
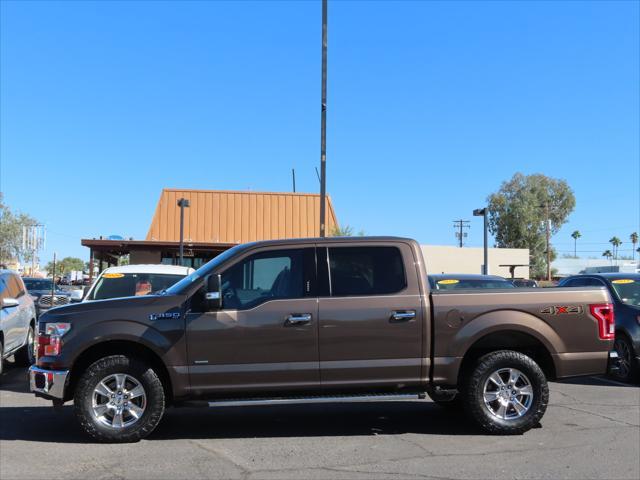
<point>599,381</point>
<point>43,424</point>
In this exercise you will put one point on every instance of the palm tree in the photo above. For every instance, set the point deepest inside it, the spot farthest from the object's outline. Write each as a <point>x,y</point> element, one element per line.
<point>607,254</point>
<point>575,235</point>
<point>616,242</point>
<point>634,241</point>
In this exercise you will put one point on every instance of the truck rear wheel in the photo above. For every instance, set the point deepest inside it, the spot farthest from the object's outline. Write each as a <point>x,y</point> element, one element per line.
<point>119,399</point>
<point>506,393</point>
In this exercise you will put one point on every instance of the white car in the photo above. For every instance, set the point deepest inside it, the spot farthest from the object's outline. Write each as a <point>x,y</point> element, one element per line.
<point>17,320</point>
<point>133,280</point>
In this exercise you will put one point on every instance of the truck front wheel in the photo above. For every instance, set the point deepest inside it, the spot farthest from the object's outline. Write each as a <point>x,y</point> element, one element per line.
<point>119,399</point>
<point>506,393</point>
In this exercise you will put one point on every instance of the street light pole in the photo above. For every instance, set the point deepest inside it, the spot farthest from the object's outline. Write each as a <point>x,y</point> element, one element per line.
<point>323,125</point>
<point>182,203</point>
<point>482,212</point>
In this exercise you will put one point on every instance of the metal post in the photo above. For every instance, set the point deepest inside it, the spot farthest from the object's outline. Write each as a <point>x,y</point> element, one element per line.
<point>53,278</point>
<point>486,243</point>
<point>323,124</point>
<point>182,203</point>
<point>548,235</point>
<point>293,176</point>
<point>90,266</point>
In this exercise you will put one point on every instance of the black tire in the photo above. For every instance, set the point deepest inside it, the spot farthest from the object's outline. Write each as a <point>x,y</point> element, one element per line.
<point>473,391</point>
<point>112,365</point>
<point>26,357</point>
<point>627,369</point>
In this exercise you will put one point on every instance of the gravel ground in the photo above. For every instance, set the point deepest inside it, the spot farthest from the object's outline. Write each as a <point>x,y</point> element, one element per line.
<point>590,431</point>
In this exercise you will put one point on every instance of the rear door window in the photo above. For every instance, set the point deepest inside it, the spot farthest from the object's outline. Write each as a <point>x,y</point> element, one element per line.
<point>357,271</point>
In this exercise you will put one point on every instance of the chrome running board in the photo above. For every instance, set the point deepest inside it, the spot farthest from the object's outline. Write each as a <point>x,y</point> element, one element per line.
<point>302,400</point>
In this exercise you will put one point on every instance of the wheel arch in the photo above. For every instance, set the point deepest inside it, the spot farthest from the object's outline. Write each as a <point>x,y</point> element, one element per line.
<point>509,339</point>
<point>118,347</point>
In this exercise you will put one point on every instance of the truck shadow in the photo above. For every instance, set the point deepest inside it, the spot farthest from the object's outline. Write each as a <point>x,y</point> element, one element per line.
<point>43,424</point>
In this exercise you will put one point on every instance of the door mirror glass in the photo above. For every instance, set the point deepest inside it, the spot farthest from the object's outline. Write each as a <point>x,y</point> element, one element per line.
<point>213,296</point>
<point>10,302</point>
<point>76,295</point>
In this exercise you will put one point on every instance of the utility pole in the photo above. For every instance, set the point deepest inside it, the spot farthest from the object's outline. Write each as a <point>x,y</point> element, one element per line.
<point>460,225</point>
<point>293,176</point>
<point>323,124</point>
<point>53,279</point>
<point>548,235</point>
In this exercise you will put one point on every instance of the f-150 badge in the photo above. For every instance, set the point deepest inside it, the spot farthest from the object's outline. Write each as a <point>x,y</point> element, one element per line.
<point>562,310</point>
<point>160,316</point>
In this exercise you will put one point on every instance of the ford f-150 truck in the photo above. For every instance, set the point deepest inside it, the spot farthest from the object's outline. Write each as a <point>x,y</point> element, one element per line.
<point>318,320</point>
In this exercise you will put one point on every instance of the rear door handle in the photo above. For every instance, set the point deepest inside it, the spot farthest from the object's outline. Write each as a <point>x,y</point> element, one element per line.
<point>402,315</point>
<point>297,319</point>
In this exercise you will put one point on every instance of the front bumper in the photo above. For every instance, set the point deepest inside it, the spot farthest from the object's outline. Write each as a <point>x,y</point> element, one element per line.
<point>48,383</point>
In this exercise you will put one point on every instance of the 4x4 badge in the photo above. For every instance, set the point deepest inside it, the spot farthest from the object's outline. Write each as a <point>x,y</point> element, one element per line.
<point>562,310</point>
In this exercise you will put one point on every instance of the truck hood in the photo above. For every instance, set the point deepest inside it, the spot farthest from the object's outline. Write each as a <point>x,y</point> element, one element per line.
<point>113,305</point>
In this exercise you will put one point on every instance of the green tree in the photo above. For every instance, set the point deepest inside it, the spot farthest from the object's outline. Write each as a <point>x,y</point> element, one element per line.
<point>575,235</point>
<point>517,214</point>
<point>616,242</point>
<point>634,241</point>
<point>346,231</point>
<point>607,254</point>
<point>11,224</point>
<point>65,265</point>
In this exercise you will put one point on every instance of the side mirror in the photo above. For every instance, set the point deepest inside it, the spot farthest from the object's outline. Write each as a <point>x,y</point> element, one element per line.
<point>214,292</point>
<point>77,295</point>
<point>10,302</point>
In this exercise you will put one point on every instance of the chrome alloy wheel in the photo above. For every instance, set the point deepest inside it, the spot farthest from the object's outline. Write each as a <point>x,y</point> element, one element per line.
<point>31,347</point>
<point>508,393</point>
<point>118,401</point>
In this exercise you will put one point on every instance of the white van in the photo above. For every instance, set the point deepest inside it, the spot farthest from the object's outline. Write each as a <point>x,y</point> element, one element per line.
<point>133,280</point>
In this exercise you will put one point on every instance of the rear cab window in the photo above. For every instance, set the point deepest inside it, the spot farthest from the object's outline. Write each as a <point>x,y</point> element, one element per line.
<point>361,271</point>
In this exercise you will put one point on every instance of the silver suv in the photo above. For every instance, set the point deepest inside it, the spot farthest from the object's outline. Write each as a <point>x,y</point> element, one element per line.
<point>17,320</point>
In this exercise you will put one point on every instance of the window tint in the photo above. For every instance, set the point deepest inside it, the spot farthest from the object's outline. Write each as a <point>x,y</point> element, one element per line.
<point>262,277</point>
<point>366,270</point>
<point>593,282</point>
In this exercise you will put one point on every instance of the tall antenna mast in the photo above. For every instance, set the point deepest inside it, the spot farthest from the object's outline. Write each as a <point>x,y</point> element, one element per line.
<point>323,125</point>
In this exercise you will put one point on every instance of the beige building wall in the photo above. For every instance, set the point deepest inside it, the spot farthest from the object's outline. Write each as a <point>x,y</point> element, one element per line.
<point>447,259</point>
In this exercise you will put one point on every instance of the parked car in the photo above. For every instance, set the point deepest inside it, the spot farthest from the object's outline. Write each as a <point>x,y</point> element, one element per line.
<point>135,280</point>
<point>17,320</point>
<point>456,281</point>
<point>625,292</point>
<point>524,283</point>
<point>40,291</point>
<point>318,320</point>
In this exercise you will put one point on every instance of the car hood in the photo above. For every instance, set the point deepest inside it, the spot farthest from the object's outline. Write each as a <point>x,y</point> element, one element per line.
<point>38,293</point>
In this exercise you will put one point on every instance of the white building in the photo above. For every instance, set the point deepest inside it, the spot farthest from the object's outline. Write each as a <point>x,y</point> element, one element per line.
<point>449,259</point>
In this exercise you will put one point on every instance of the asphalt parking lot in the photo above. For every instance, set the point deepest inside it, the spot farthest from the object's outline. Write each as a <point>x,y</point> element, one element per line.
<point>591,431</point>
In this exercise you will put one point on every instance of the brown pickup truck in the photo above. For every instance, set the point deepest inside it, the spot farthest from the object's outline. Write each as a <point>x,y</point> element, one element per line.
<point>318,320</point>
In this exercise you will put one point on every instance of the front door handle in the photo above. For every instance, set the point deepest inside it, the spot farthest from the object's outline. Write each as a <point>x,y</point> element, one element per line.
<point>402,315</point>
<point>297,319</point>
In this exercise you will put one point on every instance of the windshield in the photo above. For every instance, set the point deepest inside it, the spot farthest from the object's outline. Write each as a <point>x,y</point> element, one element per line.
<point>37,284</point>
<point>458,284</point>
<point>203,271</point>
<point>628,290</point>
<point>115,285</point>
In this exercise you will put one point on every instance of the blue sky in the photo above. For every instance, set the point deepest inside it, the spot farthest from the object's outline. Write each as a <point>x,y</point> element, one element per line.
<point>431,106</point>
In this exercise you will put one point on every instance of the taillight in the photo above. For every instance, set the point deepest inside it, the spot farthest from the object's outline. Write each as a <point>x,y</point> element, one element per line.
<point>603,312</point>
<point>50,342</point>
